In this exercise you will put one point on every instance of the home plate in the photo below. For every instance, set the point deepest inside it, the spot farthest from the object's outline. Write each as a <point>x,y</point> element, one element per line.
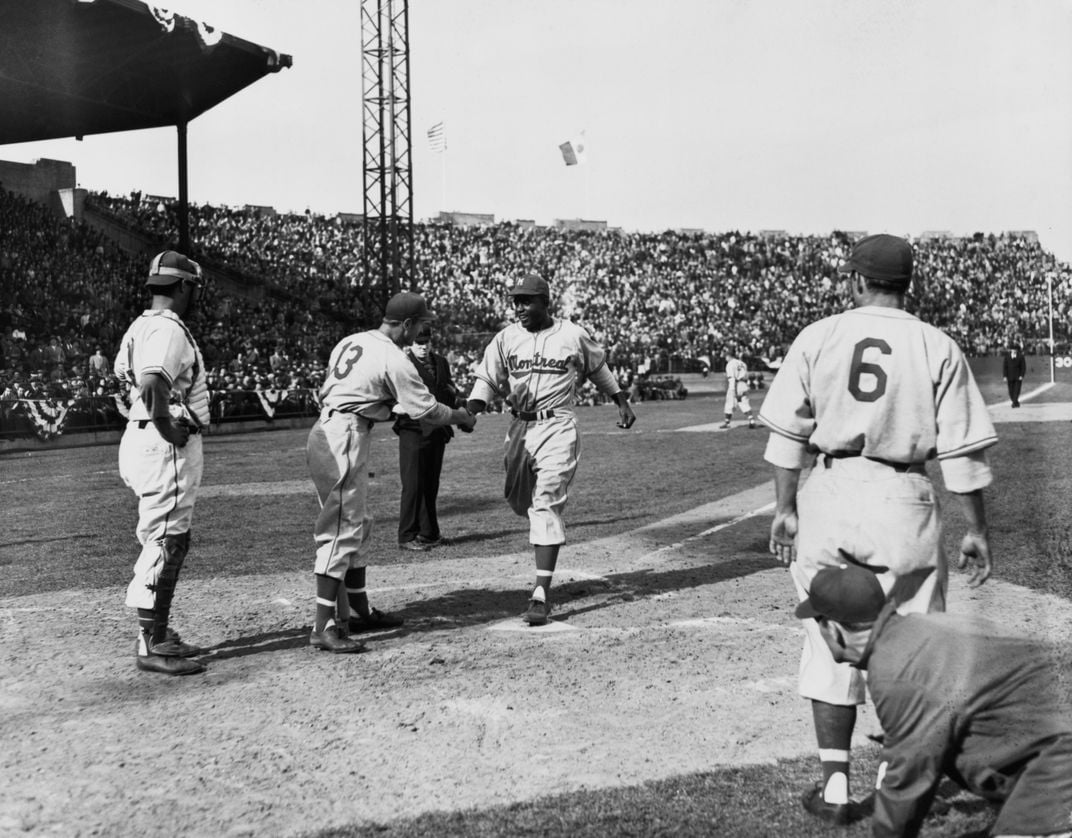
<point>517,624</point>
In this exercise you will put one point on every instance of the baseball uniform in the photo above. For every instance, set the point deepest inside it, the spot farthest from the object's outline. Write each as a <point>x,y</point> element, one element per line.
<point>875,393</point>
<point>538,374</point>
<point>367,374</point>
<point>737,387</point>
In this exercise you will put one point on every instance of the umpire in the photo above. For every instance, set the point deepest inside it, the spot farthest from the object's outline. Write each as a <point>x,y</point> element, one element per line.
<point>421,447</point>
<point>955,696</point>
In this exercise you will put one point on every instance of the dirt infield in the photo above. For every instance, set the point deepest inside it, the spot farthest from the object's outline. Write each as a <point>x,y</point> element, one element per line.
<point>671,651</point>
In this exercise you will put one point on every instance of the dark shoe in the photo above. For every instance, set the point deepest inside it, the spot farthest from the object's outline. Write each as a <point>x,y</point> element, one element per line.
<point>376,620</point>
<point>536,614</point>
<point>751,424</point>
<point>168,665</point>
<point>724,425</point>
<point>429,542</point>
<point>173,646</point>
<point>415,545</point>
<point>332,640</point>
<point>838,814</point>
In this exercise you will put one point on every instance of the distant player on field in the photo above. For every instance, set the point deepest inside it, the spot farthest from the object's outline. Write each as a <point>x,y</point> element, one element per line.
<point>537,364</point>
<point>877,393</point>
<point>737,389</point>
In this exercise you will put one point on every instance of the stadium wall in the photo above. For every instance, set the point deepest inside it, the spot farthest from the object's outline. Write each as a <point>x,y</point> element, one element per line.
<point>38,180</point>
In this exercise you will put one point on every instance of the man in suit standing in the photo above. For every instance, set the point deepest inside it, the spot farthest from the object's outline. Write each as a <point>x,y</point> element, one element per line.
<point>1014,367</point>
<point>421,448</point>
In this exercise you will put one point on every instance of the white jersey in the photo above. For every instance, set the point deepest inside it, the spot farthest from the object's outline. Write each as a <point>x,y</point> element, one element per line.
<point>368,374</point>
<point>878,382</point>
<point>542,370</point>
<point>159,342</point>
<point>736,370</point>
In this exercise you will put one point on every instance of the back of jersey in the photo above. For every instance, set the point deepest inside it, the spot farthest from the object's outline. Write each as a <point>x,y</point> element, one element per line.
<point>879,382</point>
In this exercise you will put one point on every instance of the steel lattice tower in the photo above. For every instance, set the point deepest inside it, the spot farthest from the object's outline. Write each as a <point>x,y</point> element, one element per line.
<point>388,163</point>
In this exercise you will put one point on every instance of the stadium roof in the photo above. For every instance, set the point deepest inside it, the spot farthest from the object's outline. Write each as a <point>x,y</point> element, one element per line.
<point>70,68</point>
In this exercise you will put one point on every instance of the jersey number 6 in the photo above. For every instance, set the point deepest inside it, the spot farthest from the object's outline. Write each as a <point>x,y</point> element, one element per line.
<point>860,367</point>
<point>347,358</point>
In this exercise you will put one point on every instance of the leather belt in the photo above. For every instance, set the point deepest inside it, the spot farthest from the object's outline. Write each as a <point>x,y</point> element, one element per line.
<point>900,468</point>
<point>368,422</point>
<point>525,416</point>
<point>144,423</point>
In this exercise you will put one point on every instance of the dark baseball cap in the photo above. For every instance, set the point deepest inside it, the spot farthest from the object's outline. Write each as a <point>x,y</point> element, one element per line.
<point>406,305</point>
<point>532,285</point>
<point>883,257</point>
<point>847,593</point>
<point>170,267</point>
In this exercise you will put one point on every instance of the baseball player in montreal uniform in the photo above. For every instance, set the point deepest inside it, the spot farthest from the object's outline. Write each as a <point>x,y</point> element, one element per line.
<point>737,389</point>
<point>367,374</point>
<point>867,397</point>
<point>537,364</point>
<point>160,455</point>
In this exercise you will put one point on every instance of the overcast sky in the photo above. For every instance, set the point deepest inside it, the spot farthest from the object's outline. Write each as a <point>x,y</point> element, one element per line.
<point>900,116</point>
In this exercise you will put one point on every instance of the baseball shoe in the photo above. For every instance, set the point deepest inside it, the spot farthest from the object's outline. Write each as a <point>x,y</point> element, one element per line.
<point>375,620</point>
<point>751,424</point>
<point>168,665</point>
<point>332,640</point>
<point>172,646</point>
<point>536,613</point>
<point>429,542</point>
<point>723,426</point>
<point>838,814</point>
<point>415,546</point>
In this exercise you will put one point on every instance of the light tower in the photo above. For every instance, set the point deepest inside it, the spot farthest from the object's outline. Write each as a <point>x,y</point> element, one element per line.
<point>387,167</point>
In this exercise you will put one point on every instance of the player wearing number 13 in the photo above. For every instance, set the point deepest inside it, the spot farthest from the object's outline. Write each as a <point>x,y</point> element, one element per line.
<point>867,397</point>
<point>367,374</point>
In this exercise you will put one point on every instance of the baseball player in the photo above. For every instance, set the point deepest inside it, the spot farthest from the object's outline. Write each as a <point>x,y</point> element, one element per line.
<point>367,374</point>
<point>875,393</point>
<point>737,389</point>
<point>537,364</point>
<point>160,454</point>
<point>956,696</point>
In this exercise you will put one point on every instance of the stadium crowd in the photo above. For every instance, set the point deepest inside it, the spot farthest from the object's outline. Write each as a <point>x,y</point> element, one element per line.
<point>657,301</point>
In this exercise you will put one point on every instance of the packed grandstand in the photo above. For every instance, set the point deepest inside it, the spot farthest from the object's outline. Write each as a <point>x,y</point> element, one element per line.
<point>661,302</point>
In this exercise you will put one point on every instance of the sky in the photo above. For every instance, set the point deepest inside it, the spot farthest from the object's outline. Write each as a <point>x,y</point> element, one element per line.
<point>899,116</point>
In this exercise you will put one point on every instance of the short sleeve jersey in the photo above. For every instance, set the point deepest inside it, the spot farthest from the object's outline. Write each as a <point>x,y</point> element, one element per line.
<point>538,370</point>
<point>368,374</point>
<point>878,382</point>
<point>159,342</point>
<point>736,370</point>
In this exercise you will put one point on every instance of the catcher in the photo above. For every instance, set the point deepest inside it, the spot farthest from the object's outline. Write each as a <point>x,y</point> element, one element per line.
<point>955,696</point>
<point>737,389</point>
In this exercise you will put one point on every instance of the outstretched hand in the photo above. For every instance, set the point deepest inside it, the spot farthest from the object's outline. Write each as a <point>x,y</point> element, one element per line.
<point>975,558</point>
<point>626,417</point>
<point>783,537</point>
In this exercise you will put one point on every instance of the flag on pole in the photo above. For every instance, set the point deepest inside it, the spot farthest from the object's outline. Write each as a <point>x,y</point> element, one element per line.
<point>574,151</point>
<point>437,137</point>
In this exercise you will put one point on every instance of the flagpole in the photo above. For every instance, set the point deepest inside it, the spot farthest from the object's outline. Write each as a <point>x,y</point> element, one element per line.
<point>443,181</point>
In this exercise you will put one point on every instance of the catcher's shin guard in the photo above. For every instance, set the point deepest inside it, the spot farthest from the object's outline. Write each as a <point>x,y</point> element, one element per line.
<point>175,548</point>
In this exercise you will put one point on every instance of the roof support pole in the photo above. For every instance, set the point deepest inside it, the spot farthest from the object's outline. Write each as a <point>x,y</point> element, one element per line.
<point>184,193</point>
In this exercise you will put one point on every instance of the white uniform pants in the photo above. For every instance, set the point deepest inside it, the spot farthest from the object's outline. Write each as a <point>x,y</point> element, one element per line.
<point>879,517</point>
<point>166,480</point>
<point>338,455</point>
<point>554,447</point>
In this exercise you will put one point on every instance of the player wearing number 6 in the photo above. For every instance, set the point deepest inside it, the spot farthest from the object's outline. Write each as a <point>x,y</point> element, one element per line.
<point>876,394</point>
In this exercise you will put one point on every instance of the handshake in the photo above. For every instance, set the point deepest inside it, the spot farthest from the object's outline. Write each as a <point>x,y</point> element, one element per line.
<point>467,424</point>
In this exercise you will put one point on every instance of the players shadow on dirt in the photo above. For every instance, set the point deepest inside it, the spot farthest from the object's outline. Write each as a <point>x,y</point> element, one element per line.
<point>271,641</point>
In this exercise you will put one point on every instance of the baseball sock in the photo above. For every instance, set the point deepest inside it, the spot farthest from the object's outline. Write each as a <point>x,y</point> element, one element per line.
<point>327,588</point>
<point>356,592</point>
<point>546,559</point>
<point>146,621</point>
<point>834,724</point>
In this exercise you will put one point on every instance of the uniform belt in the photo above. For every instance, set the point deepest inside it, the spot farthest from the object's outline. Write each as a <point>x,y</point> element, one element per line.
<point>144,423</point>
<point>526,416</point>
<point>900,468</point>
<point>331,411</point>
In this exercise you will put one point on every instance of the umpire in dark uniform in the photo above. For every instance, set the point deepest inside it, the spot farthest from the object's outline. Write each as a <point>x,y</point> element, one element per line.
<point>421,448</point>
<point>1014,368</point>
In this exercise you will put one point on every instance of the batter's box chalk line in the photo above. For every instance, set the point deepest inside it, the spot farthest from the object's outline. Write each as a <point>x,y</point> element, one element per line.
<point>516,624</point>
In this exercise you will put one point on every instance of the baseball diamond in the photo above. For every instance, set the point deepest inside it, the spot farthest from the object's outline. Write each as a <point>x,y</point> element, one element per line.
<point>671,658</point>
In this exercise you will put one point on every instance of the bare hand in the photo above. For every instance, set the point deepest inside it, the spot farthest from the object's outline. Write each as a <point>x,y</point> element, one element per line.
<point>975,558</point>
<point>175,431</point>
<point>468,426</point>
<point>626,417</point>
<point>783,537</point>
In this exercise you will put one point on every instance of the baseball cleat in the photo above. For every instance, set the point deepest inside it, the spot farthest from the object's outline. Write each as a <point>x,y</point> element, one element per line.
<point>168,665</point>
<point>173,647</point>
<point>724,425</point>
<point>375,620</point>
<point>429,542</point>
<point>332,640</point>
<point>838,814</point>
<point>414,546</point>
<point>536,613</point>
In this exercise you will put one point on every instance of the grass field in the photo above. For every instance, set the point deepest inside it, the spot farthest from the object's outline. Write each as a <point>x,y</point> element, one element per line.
<point>69,524</point>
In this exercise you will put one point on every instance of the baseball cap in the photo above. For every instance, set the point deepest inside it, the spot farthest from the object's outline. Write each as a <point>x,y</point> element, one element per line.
<point>170,267</point>
<point>847,593</point>
<point>883,257</point>
<point>406,305</point>
<point>532,285</point>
